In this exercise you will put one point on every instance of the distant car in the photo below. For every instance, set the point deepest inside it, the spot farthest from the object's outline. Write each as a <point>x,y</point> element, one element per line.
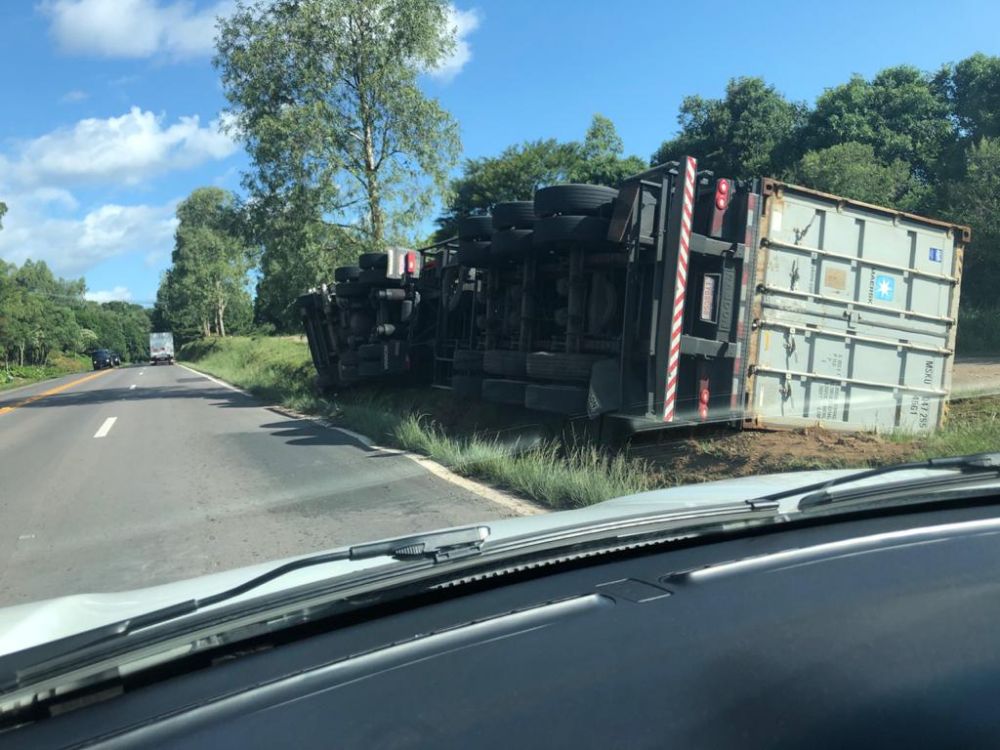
<point>102,358</point>
<point>116,359</point>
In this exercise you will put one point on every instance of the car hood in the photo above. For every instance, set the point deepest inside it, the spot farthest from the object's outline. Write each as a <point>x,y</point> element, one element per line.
<point>26,625</point>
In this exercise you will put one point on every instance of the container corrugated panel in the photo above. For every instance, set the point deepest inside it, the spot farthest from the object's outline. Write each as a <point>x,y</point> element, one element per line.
<point>854,315</point>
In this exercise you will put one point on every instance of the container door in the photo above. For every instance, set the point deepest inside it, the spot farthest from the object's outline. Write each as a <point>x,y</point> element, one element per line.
<point>855,317</point>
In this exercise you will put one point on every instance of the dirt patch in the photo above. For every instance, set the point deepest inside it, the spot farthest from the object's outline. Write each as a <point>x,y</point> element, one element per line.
<point>975,376</point>
<point>730,454</point>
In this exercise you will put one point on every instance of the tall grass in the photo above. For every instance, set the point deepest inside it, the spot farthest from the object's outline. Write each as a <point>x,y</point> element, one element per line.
<point>58,365</point>
<point>279,369</point>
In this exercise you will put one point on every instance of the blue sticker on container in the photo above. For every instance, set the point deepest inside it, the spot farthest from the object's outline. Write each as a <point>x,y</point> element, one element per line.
<point>936,254</point>
<point>885,288</point>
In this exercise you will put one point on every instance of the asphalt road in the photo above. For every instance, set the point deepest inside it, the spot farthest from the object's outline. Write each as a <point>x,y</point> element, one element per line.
<point>143,475</point>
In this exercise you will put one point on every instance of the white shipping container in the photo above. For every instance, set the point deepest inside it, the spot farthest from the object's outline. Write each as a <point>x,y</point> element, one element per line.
<point>853,315</point>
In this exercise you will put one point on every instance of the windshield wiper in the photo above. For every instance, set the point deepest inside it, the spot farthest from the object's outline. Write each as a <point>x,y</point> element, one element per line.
<point>965,469</point>
<point>435,547</point>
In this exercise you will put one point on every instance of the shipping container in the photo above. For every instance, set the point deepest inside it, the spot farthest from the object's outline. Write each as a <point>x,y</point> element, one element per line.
<point>854,314</point>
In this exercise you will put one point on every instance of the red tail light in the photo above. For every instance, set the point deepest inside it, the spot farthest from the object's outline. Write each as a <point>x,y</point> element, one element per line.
<point>411,263</point>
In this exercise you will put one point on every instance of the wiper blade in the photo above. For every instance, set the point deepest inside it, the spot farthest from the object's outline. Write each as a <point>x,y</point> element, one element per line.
<point>439,546</point>
<point>819,493</point>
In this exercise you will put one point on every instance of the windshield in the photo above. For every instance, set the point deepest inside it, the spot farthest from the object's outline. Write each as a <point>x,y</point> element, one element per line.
<point>451,264</point>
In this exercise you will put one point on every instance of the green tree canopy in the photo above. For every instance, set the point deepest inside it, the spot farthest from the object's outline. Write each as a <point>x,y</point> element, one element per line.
<point>751,131</point>
<point>209,265</point>
<point>851,169</point>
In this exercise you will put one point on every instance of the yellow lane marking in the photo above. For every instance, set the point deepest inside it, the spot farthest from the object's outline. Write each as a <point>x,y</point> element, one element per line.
<point>57,389</point>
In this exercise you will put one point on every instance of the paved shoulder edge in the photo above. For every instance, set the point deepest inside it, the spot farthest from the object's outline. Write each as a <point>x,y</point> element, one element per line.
<point>512,503</point>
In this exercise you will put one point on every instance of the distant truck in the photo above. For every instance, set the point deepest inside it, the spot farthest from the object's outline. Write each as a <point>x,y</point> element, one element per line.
<point>161,348</point>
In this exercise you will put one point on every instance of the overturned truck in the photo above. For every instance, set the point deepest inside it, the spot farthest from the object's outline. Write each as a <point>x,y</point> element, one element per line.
<point>678,298</point>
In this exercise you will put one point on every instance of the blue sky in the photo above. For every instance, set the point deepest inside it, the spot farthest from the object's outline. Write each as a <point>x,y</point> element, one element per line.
<point>110,108</point>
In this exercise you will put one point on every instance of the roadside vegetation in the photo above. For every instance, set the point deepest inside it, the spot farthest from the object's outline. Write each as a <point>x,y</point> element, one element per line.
<point>56,366</point>
<point>542,460</point>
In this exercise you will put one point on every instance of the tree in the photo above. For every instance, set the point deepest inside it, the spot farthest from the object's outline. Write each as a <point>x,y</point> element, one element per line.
<point>972,90</point>
<point>209,264</point>
<point>325,95</point>
<point>852,170</point>
<point>3,211</point>
<point>974,199</point>
<point>899,113</point>
<point>599,158</point>
<point>752,131</point>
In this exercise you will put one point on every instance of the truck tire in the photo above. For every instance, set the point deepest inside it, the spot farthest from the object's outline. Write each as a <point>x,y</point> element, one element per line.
<point>504,391</point>
<point>560,366</point>
<point>561,316</point>
<point>369,261</point>
<point>467,361</point>
<point>513,215</point>
<point>371,353</point>
<point>473,253</point>
<point>589,232</point>
<point>578,200</point>
<point>351,290</point>
<point>570,400</point>
<point>475,227</point>
<point>467,385</point>
<point>504,362</point>
<point>346,273</point>
<point>370,368</point>
<point>511,244</point>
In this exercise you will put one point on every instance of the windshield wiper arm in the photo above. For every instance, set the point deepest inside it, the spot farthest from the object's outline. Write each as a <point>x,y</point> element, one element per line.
<point>819,493</point>
<point>450,544</point>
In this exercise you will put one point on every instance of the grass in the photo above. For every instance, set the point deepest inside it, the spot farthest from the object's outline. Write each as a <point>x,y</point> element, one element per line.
<point>57,366</point>
<point>279,369</point>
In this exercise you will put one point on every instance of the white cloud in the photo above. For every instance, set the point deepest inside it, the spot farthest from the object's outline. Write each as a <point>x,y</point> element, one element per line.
<point>72,246</point>
<point>76,95</point>
<point>463,22</point>
<point>125,149</point>
<point>120,293</point>
<point>134,28</point>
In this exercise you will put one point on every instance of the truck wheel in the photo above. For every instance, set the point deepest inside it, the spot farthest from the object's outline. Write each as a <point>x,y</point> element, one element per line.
<point>504,391</point>
<point>467,385</point>
<point>511,244</point>
<point>560,366</point>
<point>579,200</point>
<point>467,361</point>
<point>475,227</point>
<point>369,261</point>
<point>567,231</point>
<point>570,400</point>
<point>351,290</point>
<point>504,362</point>
<point>513,214</point>
<point>346,273</point>
<point>474,253</point>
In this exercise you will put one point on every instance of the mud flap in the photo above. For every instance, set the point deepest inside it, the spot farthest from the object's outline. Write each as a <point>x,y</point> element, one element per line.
<point>605,388</point>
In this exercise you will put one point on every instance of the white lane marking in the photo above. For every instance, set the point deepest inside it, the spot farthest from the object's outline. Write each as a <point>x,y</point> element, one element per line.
<point>223,383</point>
<point>25,537</point>
<point>132,387</point>
<point>142,372</point>
<point>106,427</point>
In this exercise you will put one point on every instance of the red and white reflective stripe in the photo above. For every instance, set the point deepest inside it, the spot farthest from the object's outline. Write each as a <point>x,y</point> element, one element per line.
<point>680,288</point>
